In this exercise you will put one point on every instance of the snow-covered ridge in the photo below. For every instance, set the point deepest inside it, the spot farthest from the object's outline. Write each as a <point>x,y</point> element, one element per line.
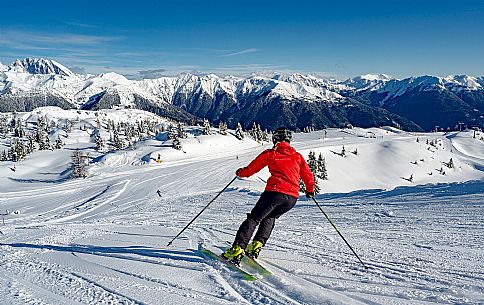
<point>367,81</point>
<point>39,66</point>
<point>394,88</point>
<point>48,76</point>
<point>465,82</point>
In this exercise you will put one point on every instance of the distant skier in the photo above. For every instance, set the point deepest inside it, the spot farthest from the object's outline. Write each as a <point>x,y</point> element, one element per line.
<point>287,167</point>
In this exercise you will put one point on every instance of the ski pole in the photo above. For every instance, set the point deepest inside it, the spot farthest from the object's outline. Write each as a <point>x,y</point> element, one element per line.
<point>201,211</point>
<point>334,226</point>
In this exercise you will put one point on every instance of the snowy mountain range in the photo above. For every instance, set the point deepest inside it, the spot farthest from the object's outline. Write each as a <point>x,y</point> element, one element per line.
<point>429,101</point>
<point>293,100</point>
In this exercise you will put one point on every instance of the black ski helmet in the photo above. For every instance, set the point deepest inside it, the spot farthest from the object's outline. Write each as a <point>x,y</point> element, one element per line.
<point>281,134</point>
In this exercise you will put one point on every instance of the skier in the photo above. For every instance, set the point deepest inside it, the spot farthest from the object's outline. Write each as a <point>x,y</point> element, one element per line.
<point>287,167</point>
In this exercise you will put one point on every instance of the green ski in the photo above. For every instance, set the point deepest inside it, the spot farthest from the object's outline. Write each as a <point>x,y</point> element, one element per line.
<point>209,254</point>
<point>254,265</point>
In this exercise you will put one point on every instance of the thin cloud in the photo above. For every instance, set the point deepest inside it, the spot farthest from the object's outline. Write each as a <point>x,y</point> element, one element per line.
<point>251,50</point>
<point>30,40</point>
<point>82,25</point>
<point>77,70</point>
<point>150,74</point>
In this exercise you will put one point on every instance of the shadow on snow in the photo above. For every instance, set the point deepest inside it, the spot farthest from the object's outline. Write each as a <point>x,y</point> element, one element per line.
<point>116,252</point>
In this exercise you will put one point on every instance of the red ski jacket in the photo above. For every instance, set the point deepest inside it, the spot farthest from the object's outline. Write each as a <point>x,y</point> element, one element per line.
<point>286,166</point>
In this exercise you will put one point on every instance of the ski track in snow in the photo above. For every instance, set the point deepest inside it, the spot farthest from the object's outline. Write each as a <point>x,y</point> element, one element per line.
<point>102,240</point>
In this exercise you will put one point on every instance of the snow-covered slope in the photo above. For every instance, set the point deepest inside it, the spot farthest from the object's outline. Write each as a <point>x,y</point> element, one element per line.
<point>395,88</point>
<point>102,239</point>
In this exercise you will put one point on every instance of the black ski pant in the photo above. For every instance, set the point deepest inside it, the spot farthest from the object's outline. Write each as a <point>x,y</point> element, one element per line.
<point>271,205</point>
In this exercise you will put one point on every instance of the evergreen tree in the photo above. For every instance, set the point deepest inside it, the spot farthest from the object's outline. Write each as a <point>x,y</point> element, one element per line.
<point>18,130</point>
<point>16,151</point>
<point>47,142</point>
<point>117,141</point>
<point>313,166</point>
<point>172,132</point>
<point>322,172</point>
<point>265,136</point>
<point>58,143</point>
<point>3,157</point>
<point>253,132</point>
<point>52,125</point>
<point>3,126</point>
<point>30,143</point>
<point>10,153</point>
<point>182,134</point>
<point>239,132</point>
<point>42,123</point>
<point>68,126</point>
<point>43,140</point>
<point>258,133</point>
<point>222,128</point>
<point>99,142</point>
<point>312,163</point>
<point>20,149</point>
<point>176,144</point>
<point>450,164</point>
<point>79,162</point>
<point>207,130</point>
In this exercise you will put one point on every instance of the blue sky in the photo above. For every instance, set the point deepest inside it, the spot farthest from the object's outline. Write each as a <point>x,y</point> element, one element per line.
<point>334,38</point>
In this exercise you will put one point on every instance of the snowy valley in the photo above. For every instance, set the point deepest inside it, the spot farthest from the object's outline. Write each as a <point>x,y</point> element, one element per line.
<point>410,203</point>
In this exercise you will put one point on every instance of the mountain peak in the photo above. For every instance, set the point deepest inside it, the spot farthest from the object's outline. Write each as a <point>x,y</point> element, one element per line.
<point>465,81</point>
<point>374,77</point>
<point>40,66</point>
<point>367,81</point>
<point>3,67</point>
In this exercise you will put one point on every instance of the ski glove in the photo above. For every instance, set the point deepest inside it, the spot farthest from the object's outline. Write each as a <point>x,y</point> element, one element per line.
<point>237,172</point>
<point>309,194</point>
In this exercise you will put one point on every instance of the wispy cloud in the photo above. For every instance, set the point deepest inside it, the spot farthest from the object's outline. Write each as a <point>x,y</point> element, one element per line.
<point>251,50</point>
<point>82,25</point>
<point>17,39</point>
<point>153,73</point>
<point>78,70</point>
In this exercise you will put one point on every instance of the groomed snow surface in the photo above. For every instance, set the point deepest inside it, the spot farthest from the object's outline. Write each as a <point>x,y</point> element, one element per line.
<point>102,240</point>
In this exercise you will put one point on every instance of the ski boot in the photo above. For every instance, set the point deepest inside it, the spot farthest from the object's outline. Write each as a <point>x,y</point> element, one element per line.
<point>234,254</point>
<point>253,249</point>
